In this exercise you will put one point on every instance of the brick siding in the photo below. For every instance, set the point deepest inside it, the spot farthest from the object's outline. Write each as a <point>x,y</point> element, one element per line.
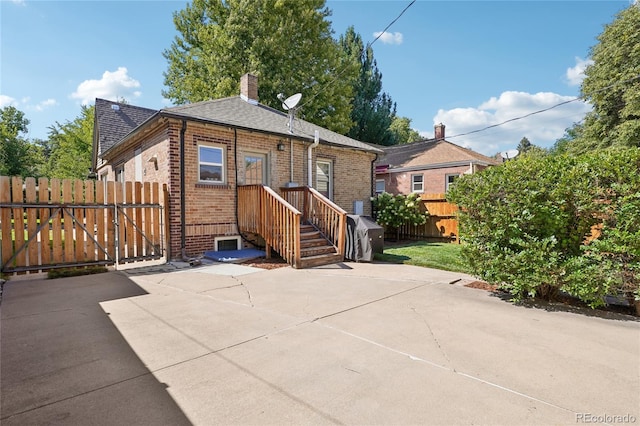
<point>210,208</point>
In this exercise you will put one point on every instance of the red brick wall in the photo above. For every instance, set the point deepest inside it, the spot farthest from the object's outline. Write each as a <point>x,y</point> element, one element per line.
<point>434,180</point>
<point>210,208</point>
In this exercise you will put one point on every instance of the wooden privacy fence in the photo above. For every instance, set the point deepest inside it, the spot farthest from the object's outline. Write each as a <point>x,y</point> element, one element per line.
<point>68,223</point>
<point>441,225</point>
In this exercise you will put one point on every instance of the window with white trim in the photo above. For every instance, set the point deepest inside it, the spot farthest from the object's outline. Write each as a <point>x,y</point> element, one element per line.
<point>417,183</point>
<point>324,178</point>
<point>380,187</point>
<point>449,180</point>
<point>210,164</point>
<point>137,164</point>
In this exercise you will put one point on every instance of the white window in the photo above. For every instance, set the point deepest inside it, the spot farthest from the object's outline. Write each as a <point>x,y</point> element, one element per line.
<point>119,174</point>
<point>449,180</point>
<point>417,183</point>
<point>138,164</point>
<point>228,243</point>
<point>324,178</point>
<point>211,164</point>
<point>380,186</point>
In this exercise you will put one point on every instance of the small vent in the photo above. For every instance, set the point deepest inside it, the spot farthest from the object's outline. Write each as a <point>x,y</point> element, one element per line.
<point>115,107</point>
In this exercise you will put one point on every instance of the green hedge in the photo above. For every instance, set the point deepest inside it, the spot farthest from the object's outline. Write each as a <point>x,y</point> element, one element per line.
<point>527,225</point>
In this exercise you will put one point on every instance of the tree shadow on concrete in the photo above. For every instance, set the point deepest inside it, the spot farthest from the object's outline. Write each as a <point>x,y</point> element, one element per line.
<point>63,360</point>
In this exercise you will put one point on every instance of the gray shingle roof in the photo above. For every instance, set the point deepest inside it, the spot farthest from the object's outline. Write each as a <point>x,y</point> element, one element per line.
<point>235,111</point>
<point>115,120</point>
<point>429,152</point>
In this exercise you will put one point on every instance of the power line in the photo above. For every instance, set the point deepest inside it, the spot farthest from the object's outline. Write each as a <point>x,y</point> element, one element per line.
<point>321,89</point>
<point>544,109</point>
<point>392,22</point>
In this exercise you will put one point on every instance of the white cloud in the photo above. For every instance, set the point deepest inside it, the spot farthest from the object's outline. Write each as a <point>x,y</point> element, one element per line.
<point>541,129</point>
<point>389,38</point>
<point>20,2</point>
<point>112,86</point>
<point>575,74</point>
<point>45,104</point>
<point>25,103</point>
<point>6,101</point>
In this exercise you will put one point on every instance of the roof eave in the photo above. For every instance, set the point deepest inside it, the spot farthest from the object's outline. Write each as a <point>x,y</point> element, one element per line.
<point>393,169</point>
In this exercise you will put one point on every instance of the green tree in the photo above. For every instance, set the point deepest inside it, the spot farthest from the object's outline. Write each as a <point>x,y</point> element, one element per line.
<point>612,86</point>
<point>287,44</point>
<point>565,143</point>
<point>402,131</point>
<point>18,157</point>
<point>524,145</point>
<point>70,145</point>
<point>372,110</point>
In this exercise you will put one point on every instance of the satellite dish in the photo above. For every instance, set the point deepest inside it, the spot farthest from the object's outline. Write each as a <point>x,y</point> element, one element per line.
<point>512,153</point>
<point>291,101</point>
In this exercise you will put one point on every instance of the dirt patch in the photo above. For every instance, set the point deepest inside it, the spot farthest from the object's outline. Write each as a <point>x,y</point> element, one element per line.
<point>565,301</point>
<point>481,285</point>
<point>273,263</point>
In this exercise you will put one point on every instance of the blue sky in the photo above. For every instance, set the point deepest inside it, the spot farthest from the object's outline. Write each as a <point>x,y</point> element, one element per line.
<point>467,64</point>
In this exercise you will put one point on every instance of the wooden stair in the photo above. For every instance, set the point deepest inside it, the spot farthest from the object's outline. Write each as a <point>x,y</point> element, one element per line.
<point>315,249</point>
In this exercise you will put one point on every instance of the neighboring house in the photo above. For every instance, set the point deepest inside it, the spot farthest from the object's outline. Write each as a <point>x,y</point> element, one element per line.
<point>428,166</point>
<point>207,151</point>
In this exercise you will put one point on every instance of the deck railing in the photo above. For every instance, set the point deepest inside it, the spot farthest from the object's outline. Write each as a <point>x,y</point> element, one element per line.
<point>318,210</point>
<point>262,211</point>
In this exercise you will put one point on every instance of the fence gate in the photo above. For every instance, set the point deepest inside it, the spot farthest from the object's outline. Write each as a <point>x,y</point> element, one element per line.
<point>71,223</point>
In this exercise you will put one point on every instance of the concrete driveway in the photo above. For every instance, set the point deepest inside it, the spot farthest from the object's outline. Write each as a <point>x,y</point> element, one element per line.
<point>347,344</point>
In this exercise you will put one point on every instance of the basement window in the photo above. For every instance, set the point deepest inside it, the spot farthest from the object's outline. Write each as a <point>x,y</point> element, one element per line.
<point>228,243</point>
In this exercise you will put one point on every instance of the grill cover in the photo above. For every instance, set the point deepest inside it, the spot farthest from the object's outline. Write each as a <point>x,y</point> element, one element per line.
<point>364,238</point>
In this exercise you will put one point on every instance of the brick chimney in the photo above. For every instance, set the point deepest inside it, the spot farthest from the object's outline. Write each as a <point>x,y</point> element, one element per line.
<point>249,88</point>
<point>439,131</point>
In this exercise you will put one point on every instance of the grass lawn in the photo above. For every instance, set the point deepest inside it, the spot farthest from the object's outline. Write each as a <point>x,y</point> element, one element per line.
<point>446,256</point>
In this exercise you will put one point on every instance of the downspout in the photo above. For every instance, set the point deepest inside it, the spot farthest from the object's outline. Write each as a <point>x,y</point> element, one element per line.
<point>373,176</point>
<point>290,160</point>
<point>316,141</point>
<point>183,197</point>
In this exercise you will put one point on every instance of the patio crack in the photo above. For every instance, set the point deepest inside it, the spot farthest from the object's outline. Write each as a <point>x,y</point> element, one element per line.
<point>245,289</point>
<point>433,336</point>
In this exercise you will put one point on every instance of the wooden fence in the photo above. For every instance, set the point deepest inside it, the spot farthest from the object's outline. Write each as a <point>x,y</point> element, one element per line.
<point>68,223</point>
<point>442,224</point>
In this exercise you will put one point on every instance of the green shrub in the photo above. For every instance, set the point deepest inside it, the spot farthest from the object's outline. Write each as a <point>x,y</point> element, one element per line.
<point>610,264</point>
<point>393,211</point>
<point>526,224</point>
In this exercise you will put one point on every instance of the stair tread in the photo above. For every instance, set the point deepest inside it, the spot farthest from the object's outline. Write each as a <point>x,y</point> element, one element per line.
<point>325,249</point>
<point>314,242</point>
<point>319,260</point>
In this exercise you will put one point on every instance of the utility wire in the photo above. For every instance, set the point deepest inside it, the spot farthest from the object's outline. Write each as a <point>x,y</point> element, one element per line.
<point>392,22</point>
<point>321,89</point>
<point>543,110</point>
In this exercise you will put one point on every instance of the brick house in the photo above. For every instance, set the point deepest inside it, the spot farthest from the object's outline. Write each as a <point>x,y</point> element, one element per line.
<point>209,154</point>
<point>428,166</point>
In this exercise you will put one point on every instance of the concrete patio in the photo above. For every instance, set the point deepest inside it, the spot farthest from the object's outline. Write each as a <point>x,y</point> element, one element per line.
<point>353,343</point>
